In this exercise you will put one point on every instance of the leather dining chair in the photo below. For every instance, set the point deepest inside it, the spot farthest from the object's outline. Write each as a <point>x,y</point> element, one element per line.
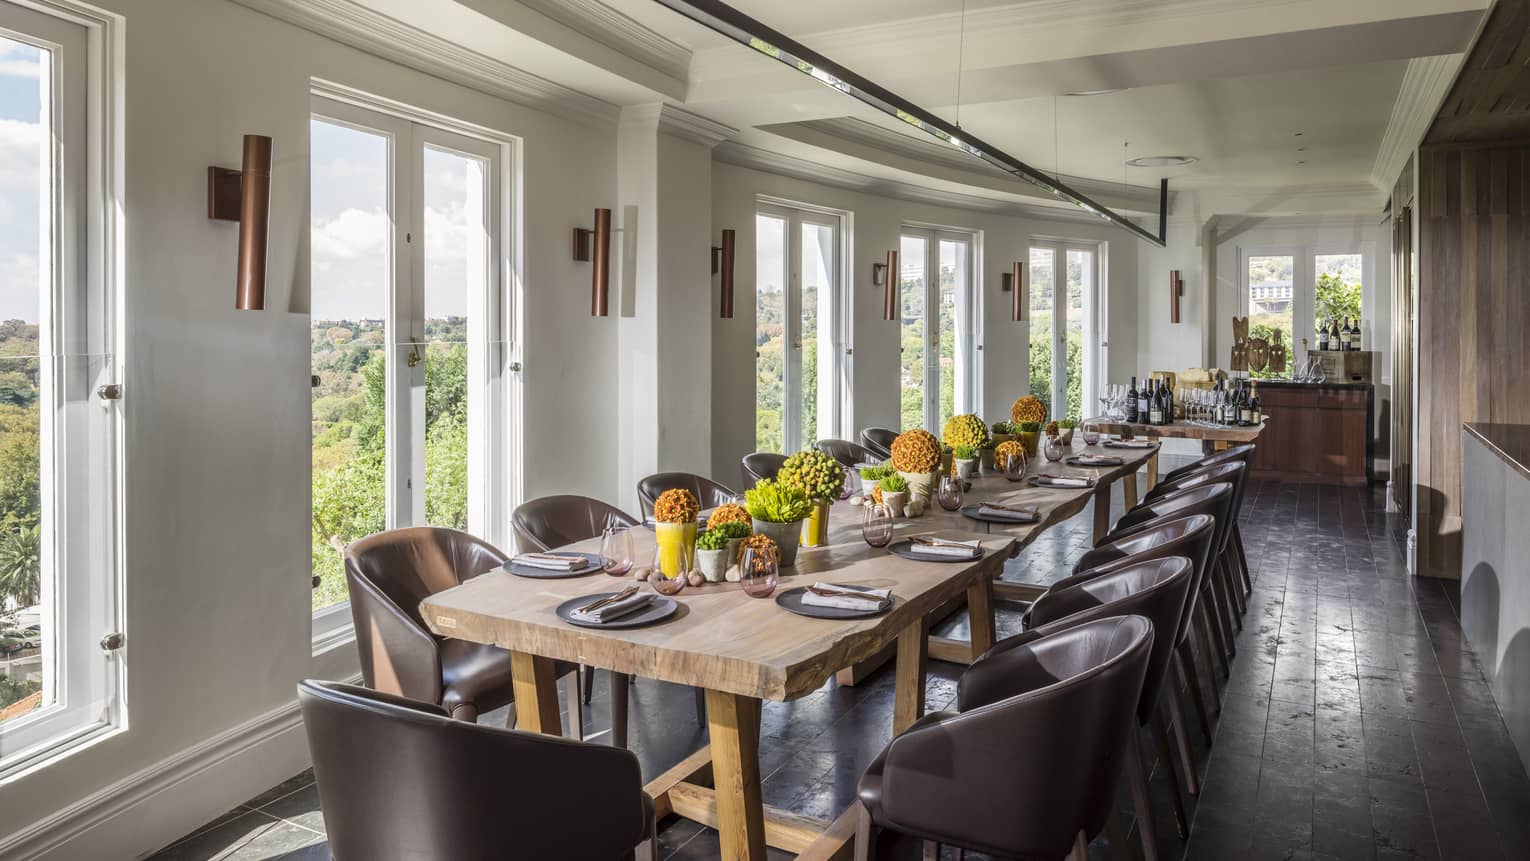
<point>849,454</point>
<point>1227,569</point>
<point>879,441</point>
<point>1040,733</point>
<point>400,781</point>
<point>387,576</point>
<point>708,492</point>
<point>1158,591</point>
<point>760,464</point>
<point>1181,478</point>
<point>1240,452</point>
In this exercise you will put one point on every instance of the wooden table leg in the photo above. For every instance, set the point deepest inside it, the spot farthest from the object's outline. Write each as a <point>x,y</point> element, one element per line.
<point>536,693</point>
<point>979,616</point>
<point>908,698</point>
<point>734,722</point>
<point>1101,510</point>
<point>1129,489</point>
<point>1219,445</point>
<point>1152,470</point>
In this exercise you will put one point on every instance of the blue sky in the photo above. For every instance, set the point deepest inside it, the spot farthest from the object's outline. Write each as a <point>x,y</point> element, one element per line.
<point>20,182</point>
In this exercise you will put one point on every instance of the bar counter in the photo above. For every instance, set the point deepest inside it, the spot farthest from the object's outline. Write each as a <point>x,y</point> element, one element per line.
<point>1318,432</point>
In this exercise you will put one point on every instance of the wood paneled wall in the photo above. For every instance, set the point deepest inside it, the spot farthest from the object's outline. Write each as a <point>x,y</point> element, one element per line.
<point>1400,454</point>
<point>1473,318</point>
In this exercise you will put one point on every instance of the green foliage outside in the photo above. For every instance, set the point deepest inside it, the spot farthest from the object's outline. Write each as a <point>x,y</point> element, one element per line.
<point>1336,298</point>
<point>20,480</point>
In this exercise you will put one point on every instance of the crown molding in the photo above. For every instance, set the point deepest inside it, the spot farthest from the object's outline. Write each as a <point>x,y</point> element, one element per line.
<point>619,32</point>
<point>678,122</point>
<point>1424,85</point>
<point>351,23</point>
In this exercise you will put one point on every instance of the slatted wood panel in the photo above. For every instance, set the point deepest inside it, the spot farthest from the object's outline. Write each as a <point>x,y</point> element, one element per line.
<point>1473,313</point>
<point>1490,99</point>
<point>1403,293</point>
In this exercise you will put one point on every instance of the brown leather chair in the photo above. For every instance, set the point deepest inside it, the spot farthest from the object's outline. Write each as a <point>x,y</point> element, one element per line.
<point>849,454</point>
<point>1027,765</point>
<point>1158,591</point>
<point>879,441</point>
<point>1223,467</point>
<point>1225,570</point>
<point>760,464</point>
<point>1240,452</point>
<point>388,575</point>
<point>554,521</point>
<point>399,780</point>
<point>708,492</point>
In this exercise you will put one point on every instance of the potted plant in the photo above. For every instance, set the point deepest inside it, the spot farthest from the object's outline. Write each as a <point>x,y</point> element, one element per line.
<point>895,493</point>
<point>966,461</point>
<point>728,512</point>
<point>1065,430</point>
<point>674,514</point>
<point>1030,434</point>
<point>717,549</point>
<point>964,433</point>
<point>1003,432</point>
<point>778,511</point>
<point>985,455</point>
<point>1002,454</point>
<point>1028,408</point>
<point>916,457</point>
<point>871,474</point>
<point>823,480</point>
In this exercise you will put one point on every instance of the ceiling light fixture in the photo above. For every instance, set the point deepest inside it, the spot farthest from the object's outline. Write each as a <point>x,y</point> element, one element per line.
<point>1162,160</point>
<point>1104,92</point>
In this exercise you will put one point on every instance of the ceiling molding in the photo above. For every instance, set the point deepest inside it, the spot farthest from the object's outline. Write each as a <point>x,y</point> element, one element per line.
<point>620,32</point>
<point>1424,86</point>
<point>679,122</point>
<point>351,23</point>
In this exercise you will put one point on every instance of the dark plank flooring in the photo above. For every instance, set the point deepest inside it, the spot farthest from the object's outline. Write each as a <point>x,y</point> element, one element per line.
<point>1356,723</point>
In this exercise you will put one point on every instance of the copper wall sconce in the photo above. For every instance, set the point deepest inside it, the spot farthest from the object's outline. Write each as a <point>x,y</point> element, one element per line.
<point>595,243</point>
<point>1176,292</point>
<point>889,288</point>
<point>722,263</point>
<point>1019,295</point>
<point>244,196</point>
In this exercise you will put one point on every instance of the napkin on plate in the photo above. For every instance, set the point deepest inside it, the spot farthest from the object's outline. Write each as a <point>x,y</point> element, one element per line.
<point>1062,481</point>
<point>1130,443</point>
<point>865,598</point>
<point>615,609</point>
<point>926,545</point>
<point>550,561</point>
<point>1098,460</point>
<point>1017,513</point>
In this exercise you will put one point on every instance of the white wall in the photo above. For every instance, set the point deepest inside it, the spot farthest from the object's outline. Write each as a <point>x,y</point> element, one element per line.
<point>217,402</point>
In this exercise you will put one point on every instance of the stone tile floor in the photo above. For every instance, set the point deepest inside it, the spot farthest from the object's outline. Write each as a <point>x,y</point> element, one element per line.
<point>1356,723</point>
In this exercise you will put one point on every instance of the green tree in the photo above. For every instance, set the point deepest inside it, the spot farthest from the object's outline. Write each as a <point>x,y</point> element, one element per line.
<point>21,564</point>
<point>1336,299</point>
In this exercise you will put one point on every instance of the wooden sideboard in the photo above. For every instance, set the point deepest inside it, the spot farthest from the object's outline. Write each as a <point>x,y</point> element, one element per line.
<point>1317,432</point>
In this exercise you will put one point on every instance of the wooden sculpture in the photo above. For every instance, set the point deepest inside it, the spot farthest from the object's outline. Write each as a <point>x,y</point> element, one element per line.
<point>1278,355</point>
<point>1239,361</point>
<point>1258,354</point>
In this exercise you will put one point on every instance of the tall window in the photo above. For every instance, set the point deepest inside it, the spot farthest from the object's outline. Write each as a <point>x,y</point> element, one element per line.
<point>408,333</point>
<point>59,587</point>
<point>1065,315</point>
<point>798,341</point>
<point>1337,288</point>
<point>1295,289</point>
<point>1271,293</point>
<point>938,376</point>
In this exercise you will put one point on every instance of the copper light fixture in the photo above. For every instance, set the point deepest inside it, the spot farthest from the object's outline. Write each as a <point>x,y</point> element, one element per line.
<point>245,196</point>
<point>1176,291</point>
<point>722,263</point>
<point>1019,297</point>
<point>600,279</point>
<point>890,288</point>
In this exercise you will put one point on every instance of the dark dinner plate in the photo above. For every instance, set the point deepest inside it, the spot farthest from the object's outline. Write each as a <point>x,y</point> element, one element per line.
<point>592,563</point>
<point>791,600</point>
<point>1073,460</point>
<point>662,608</point>
<point>904,547</point>
<point>971,511</point>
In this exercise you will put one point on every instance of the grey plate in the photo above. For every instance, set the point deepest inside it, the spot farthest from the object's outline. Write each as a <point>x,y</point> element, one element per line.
<point>592,564</point>
<point>791,600</point>
<point>903,547</point>
<point>662,608</point>
<point>971,511</point>
<point>1035,481</point>
<point>1073,460</point>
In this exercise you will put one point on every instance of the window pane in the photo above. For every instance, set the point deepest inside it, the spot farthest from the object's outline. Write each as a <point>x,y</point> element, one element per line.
<point>351,259</point>
<point>1270,280</point>
<point>817,317</point>
<point>1080,291</point>
<point>25,250</point>
<point>953,330</point>
<point>456,252</point>
<point>911,262</point>
<point>1043,282</point>
<point>1338,287</point>
<point>769,328</point>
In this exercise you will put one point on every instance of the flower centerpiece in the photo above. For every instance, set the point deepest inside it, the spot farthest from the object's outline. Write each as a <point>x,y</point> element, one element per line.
<point>916,457</point>
<point>716,549</point>
<point>728,512</point>
<point>1065,430</point>
<point>985,455</point>
<point>1030,434</point>
<point>872,474</point>
<point>1028,409</point>
<point>1003,432</point>
<point>966,461</point>
<point>965,434</point>
<point>778,510</point>
<point>674,514</point>
<point>823,479</point>
<point>894,493</point>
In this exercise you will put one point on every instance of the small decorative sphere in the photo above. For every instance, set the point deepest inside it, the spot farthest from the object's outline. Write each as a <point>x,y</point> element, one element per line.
<point>642,573</point>
<point>694,578</point>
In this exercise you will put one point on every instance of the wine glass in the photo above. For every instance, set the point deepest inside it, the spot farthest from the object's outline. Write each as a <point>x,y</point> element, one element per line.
<point>950,493</point>
<point>670,584</point>
<point>1053,449</point>
<point>1014,467</point>
<point>1091,433</point>
<point>616,551</point>
<point>759,571</point>
<point>877,525</point>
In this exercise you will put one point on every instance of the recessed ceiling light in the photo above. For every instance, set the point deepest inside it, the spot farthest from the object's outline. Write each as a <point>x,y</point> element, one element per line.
<point>1298,134</point>
<point>1302,162</point>
<point>1162,160</point>
<point>1105,92</point>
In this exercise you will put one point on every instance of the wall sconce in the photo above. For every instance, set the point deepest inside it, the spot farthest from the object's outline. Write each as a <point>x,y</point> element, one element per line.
<point>1176,291</point>
<point>1019,292</point>
<point>600,279</point>
<point>889,287</point>
<point>244,196</point>
<point>722,263</point>
<point>878,274</point>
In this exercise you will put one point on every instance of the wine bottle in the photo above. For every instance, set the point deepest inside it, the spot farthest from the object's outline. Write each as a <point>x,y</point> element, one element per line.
<point>1155,406</point>
<point>1322,336</point>
<point>1131,402</point>
<point>1354,336</point>
<point>1344,334</point>
<point>1246,410</point>
<point>1333,333</point>
<point>1256,408</point>
<point>1143,407</point>
<point>1168,399</point>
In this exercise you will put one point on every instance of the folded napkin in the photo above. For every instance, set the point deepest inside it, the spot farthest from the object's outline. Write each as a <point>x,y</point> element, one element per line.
<point>615,609</point>
<point>1098,460</point>
<point>931,546</point>
<point>1062,481</point>
<point>550,561</point>
<point>863,597</point>
<point>1019,514</point>
<point>1130,443</point>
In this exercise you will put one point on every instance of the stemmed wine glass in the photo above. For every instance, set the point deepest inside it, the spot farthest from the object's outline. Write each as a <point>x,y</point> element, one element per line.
<point>877,526</point>
<point>616,551</point>
<point>670,584</point>
<point>950,493</point>
<point>759,571</point>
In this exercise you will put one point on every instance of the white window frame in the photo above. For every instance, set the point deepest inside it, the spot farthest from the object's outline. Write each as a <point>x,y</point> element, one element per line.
<point>968,385</point>
<point>495,483</point>
<point>80,337</point>
<point>1096,345</point>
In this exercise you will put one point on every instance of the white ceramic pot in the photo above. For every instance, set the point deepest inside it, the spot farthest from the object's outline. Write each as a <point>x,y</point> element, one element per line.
<point>965,468</point>
<point>921,485</point>
<point>713,564</point>
<point>895,501</point>
<point>731,572</point>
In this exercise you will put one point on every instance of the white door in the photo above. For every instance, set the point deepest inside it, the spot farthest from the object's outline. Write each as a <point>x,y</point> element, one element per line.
<point>939,324</point>
<point>1065,315</point>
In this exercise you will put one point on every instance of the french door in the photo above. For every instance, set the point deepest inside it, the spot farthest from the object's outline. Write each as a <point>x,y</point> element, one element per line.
<point>798,336</point>
<point>409,324</point>
<point>939,367</point>
<point>1066,333</point>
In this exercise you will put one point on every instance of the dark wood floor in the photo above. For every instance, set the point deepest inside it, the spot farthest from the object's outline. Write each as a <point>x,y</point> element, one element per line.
<point>1356,723</point>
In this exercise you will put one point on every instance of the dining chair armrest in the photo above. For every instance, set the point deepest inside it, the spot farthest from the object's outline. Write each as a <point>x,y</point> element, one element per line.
<point>398,655</point>
<point>602,785</point>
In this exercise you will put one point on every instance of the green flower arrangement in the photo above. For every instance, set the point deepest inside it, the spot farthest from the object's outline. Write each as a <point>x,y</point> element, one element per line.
<point>1067,424</point>
<point>1030,427</point>
<point>965,452</point>
<point>876,473</point>
<point>774,502</point>
<point>814,473</point>
<point>717,538</point>
<point>964,430</point>
<point>894,483</point>
<point>988,445</point>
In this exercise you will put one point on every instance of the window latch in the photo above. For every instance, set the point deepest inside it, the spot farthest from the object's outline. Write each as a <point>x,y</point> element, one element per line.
<point>110,392</point>
<point>515,367</point>
<point>111,642</point>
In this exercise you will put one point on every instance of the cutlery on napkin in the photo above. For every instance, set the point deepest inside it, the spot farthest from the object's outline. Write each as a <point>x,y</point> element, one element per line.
<point>929,545</point>
<point>1098,460</point>
<point>1018,513</point>
<point>1130,443</point>
<point>846,597</point>
<point>1063,481</point>
<point>552,561</point>
<point>623,603</point>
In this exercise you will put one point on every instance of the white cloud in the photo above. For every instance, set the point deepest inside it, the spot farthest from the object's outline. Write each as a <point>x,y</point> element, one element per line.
<point>352,234</point>
<point>20,69</point>
<point>20,189</point>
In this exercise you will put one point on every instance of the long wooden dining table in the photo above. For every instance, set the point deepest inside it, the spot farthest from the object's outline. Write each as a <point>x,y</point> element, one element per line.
<point>742,650</point>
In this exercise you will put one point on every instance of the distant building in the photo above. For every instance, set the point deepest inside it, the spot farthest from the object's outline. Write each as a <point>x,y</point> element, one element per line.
<point>1270,297</point>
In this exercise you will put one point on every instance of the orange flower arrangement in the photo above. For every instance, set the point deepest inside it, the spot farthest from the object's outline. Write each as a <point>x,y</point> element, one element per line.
<point>1028,409</point>
<point>916,451</point>
<point>676,505</point>
<point>728,512</point>
<point>1006,449</point>
<point>759,541</point>
<point>1051,428</point>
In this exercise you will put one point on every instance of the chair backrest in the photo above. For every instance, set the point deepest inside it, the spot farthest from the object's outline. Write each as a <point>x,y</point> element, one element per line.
<point>849,454</point>
<point>879,441</point>
<point>1157,590</point>
<point>708,492</point>
<point>399,780</point>
<point>553,521</point>
<point>1240,452</point>
<point>1233,472</point>
<point>760,464</point>
<point>1042,729</point>
<point>1191,537</point>
<point>1214,499</point>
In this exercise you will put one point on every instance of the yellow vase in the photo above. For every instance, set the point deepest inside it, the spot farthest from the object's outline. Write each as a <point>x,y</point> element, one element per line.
<point>677,546</point>
<point>815,529</point>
